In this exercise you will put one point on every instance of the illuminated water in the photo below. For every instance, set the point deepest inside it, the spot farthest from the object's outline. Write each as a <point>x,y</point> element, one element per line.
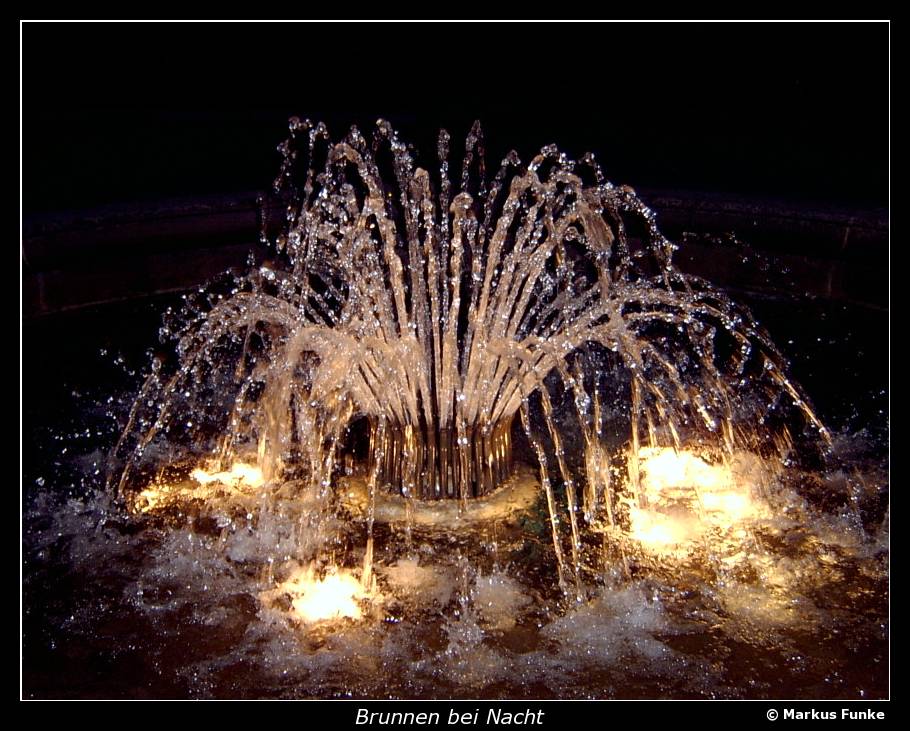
<point>696,532</point>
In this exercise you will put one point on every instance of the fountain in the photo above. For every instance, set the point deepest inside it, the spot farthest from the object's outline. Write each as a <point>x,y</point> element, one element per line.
<point>438,314</point>
<point>506,370</point>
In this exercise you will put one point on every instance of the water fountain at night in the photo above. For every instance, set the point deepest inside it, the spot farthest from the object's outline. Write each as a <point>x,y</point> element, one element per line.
<point>475,404</point>
<point>439,312</point>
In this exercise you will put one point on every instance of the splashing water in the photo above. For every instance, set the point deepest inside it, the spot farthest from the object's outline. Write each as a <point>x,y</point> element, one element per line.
<point>438,313</point>
<point>481,428</point>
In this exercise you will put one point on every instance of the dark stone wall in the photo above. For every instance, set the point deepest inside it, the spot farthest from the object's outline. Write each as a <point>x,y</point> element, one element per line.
<point>129,252</point>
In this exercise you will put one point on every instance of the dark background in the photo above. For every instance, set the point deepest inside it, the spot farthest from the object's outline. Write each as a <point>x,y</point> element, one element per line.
<point>115,113</point>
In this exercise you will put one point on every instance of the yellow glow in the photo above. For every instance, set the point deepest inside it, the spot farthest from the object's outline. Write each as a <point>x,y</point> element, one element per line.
<point>658,531</point>
<point>686,497</point>
<point>208,485</point>
<point>240,473</point>
<point>150,498</point>
<point>334,596</point>
<point>729,506</point>
<point>663,468</point>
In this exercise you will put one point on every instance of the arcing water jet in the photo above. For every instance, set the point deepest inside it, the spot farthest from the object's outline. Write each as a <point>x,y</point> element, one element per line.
<point>438,311</point>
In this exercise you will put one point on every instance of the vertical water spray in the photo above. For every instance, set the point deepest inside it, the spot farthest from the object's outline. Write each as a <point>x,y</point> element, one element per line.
<point>437,311</point>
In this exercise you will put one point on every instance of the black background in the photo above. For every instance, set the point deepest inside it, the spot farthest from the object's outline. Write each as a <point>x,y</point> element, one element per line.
<point>124,112</point>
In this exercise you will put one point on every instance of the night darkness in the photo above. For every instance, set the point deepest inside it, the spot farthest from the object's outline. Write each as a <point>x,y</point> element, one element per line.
<point>114,113</point>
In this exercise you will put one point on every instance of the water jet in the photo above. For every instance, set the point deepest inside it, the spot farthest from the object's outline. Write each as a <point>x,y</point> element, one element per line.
<point>453,421</point>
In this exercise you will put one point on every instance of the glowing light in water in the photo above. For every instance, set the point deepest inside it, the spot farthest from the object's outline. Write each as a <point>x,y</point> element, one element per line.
<point>337,595</point>
<point>687,496</point>
<point>208,483</point>
<point>151,498</point>
<point>657,530</point>
<point>664,468</point>
<point>732,506</point>
<point>240,473</point>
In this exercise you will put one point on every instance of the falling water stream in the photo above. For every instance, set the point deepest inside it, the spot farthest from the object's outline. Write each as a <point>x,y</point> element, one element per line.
<point>472,436</point>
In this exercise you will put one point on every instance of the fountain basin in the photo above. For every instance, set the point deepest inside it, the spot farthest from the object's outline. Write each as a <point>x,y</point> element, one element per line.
<point>130,252</point>
<point>759,645</point>
<point>336,331</point>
